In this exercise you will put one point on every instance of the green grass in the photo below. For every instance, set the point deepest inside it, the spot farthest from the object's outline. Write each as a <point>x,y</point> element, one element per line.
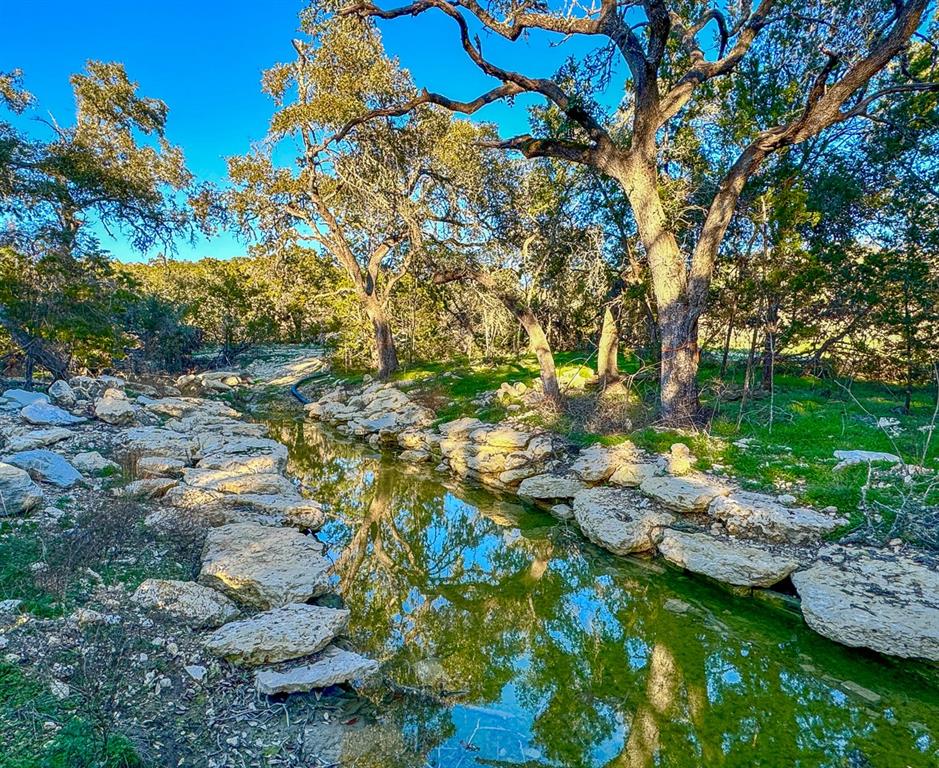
<point>39,731</point>
<point>791,437</point>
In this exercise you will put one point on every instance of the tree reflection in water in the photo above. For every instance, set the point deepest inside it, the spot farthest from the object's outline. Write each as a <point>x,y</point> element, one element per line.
<point>519,644</point>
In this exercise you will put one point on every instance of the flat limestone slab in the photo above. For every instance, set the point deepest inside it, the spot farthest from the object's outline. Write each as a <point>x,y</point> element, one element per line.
<point>39,438</point>
<point>334,666</point>
<point>288,632</point>
<point>46,466</point>
<point>731,562</point>
<point>610,518</point>
<point>873,600</point>
<point>550,486</point>
<point>45,414</point>
<point>191,603</point>
<point>264,567</point>
<point>763,517</point>
<point>683,494</point>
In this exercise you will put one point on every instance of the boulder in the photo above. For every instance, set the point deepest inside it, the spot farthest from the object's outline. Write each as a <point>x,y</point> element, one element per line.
<point>160,466</point>
<point>610,518</point>
<point>412,456</point>
<point>116,411</point>
<point>157,441</point>
<point>39,438</point>
<point>287,632</point>
<point>500,437</point>
<point>754,515</point>
<point>16,399</point>
<point>459,428</point>
<point>150,488</point>
<point>233,481</point>
<point>243,453</point>
<point>727,561</point>
<point>93,463</point>
<point>46,466</point>
<point>549,486</point>
<point>596,463</point>
<point>264,567</point>
<point>873,600</point>
<point>679,460</point>
<point>850,458</point>
<point>62,394</point>
<point>193,604</point>
<point>683,494</point>
<point>45,414</point>
<point>634,474</point>
<point>18,493</point>
<point>334,666</point>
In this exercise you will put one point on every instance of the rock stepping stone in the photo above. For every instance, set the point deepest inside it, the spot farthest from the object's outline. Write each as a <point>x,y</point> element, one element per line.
<point>547,486</point>
<point>873,600</point>
<point>732,562</point>
<point>45,414</point>
<point>193,604</point>
<point>755,515</point>
<point>46,466</point>
<point>238,482</point>
<point>334,666</point>
<point>610,518</point>
<point>692,493</point>
<point>264,567</point>
<point>287,632</point>
<point>18,492</point>
<point>39,438</point>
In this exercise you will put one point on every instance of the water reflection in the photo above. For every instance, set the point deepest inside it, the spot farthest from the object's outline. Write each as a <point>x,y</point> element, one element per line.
<point>510,642</point>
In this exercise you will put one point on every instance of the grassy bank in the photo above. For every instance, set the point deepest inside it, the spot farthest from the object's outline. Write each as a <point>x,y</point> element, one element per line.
<point>782,443</point>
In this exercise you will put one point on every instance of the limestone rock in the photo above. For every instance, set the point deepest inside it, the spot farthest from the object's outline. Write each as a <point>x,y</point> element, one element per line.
<point>62,394</point>
<point>194,604</point>
<point>549,486</point>
<point>39,438</point>
<point>179,407</point>
<point>92,463</point>
<point>684,494</point>
<point>45,414</point>
<point>18,493</point>
<point>157,441</point>
<point>264,567</point>
<point>596,463</point>
<point>160,466</point>
<point>116,411</point>
<point>873,600</point>
<point>151,488</point>
<point>233,481</point>
<point>610,519</point>
<point>47,466</point>
<point>500,437</point>
<point>16,399</point>
<point>459,428</point>
<point>287,632</point>
<point>757,516</point>
<point>333,666</point>
<point>679,460</point>
<point>634,474</point>
<point>412,456</point>
<point>728,561</point>
<point>849,458</point>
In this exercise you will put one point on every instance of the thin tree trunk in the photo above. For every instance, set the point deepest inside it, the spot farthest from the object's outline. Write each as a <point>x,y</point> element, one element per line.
<point>727,339</point>
<point>608,349</point>
<point>385,354</point>
<point>35,349</point>
<point>539,344</point>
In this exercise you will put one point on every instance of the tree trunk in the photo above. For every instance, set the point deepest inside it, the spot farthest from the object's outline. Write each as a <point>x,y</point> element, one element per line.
<point>608,349</point>
<point>542,349</point>
<point>385,354</point>
<point>678,379</point>
<point>35,349</point>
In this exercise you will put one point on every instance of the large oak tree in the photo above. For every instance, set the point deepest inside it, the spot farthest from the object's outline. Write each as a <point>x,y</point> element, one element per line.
<point>830,60</point>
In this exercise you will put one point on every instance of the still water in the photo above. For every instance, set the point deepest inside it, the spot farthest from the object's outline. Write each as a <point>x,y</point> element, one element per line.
<point>507,640</point>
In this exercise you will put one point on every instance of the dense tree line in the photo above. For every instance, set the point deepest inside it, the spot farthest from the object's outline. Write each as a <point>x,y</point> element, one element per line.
<point>750,181</point>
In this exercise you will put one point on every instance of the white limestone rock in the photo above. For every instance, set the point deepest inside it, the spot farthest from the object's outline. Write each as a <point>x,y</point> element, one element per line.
<point>234,481</point>
<point>18,493</point>
<point>634,473</point>
<point>610,518</point>
<point>62,394</point>
<point>726,560</point>
<point>160,466</point>
<point>334,666</point>
<point>44,414</point>
<point>38,438</point>
<point>548,486</point>
<point>17,399</point>
<point>596,463</point>
<point>149,488</point>
<point>264,567</point>
<point>683,494</point>
<point>874,600</point>
<point>193,604</point>
<point>116,411</point>
<point>46,466</point>
<point>93,463</point>
<point>157,441</point>
<point>754,515</point>
<point>288,632</point>
<point>850,458</point>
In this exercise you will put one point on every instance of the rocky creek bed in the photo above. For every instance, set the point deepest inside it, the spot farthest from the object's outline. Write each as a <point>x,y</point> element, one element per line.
<point>474,630</point>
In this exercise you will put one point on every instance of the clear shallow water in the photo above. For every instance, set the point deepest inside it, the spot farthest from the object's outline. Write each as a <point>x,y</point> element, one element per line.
<point>507,640</point>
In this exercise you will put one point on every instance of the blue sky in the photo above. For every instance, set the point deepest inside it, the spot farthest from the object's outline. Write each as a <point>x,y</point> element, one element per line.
<point>204,58</point>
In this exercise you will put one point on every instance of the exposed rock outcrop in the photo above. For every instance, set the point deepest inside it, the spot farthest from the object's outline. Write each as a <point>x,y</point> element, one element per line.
<point>333,666</point>
<point>612,519</point>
